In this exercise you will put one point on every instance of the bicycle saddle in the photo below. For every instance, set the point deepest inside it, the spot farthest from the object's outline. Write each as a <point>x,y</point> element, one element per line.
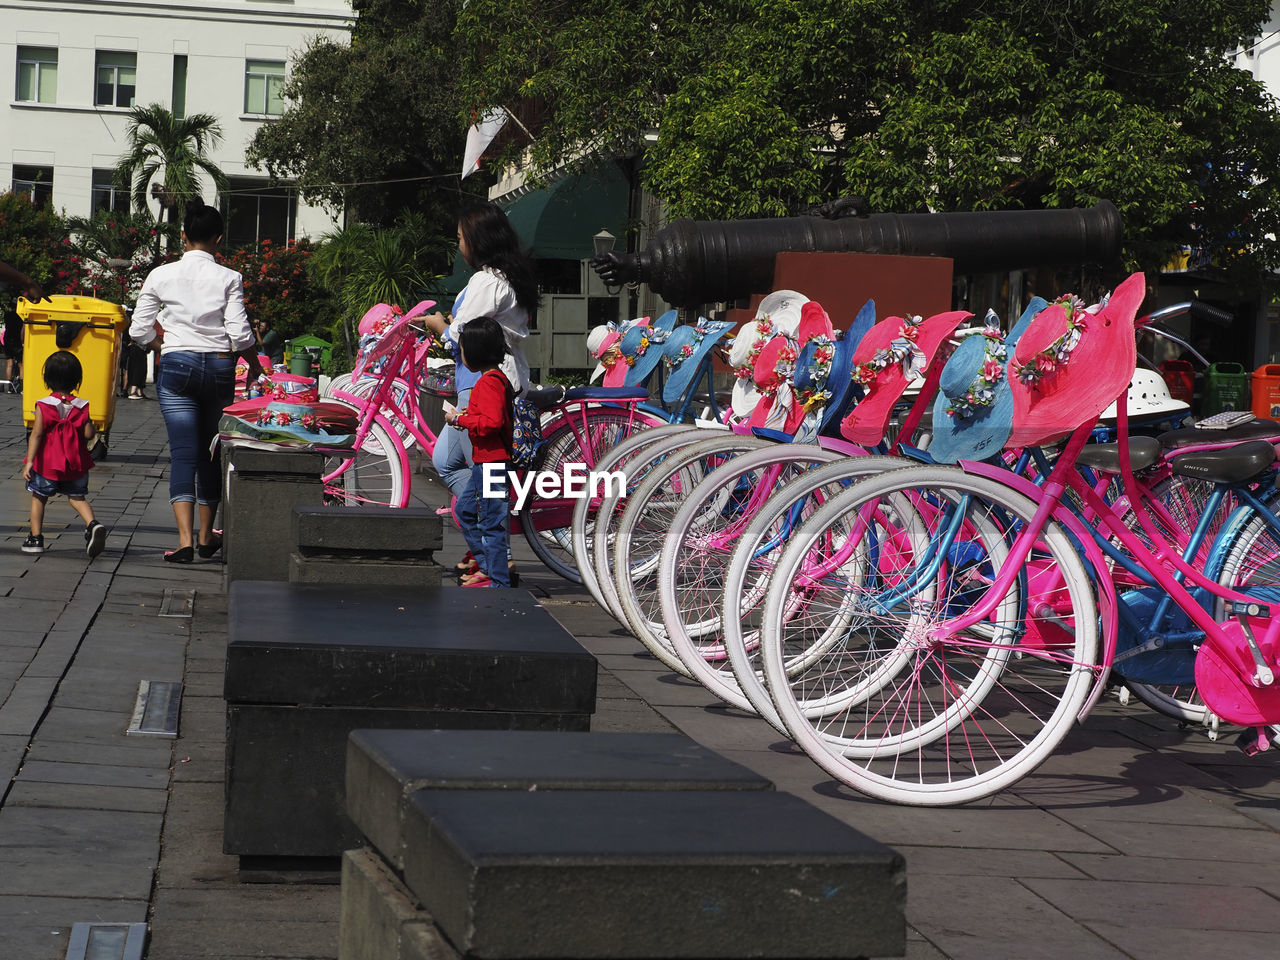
<point>1235,464</point>
<point>546,398</point>
<point>1192,437</point>
<point>1143,452</point>
<point>606,393</point>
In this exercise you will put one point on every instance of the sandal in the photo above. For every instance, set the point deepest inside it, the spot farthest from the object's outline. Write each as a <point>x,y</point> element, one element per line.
<point>480,581</point>
<point>181,555</point>
<point>210,549</point>
<point>468,579</point>
<point>466,564</point>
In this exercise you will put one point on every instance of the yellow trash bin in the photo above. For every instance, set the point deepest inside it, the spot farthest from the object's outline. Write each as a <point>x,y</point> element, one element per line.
<point>92,330</point>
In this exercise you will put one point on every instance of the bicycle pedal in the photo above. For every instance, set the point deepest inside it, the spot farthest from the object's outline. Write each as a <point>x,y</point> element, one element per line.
<point>1253,741</point>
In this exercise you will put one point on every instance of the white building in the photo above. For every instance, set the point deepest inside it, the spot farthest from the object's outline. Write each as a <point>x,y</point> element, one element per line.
<point>74,68</point>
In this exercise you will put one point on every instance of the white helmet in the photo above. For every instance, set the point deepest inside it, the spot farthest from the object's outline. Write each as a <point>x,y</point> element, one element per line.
<point>1149,397</point>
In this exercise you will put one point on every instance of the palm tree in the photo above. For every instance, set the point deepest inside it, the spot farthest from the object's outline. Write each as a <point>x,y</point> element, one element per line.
<point>168,154</point>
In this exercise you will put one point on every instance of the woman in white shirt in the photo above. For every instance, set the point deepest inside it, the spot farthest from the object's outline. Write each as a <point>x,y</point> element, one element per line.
<point>505,287</point>
<point>201,332</point>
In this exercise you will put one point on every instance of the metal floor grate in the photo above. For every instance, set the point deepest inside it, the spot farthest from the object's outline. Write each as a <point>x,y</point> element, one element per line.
<point>155,713</point>
<point>178,603</point>
<point>107,941</point>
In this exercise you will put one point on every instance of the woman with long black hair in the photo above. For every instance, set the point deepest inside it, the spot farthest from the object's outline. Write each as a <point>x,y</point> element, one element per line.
<point>505,287</point>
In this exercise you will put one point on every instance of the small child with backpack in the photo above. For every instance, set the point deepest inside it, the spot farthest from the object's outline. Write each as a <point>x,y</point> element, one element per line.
<point>482,507</point>
<point>58,458</point>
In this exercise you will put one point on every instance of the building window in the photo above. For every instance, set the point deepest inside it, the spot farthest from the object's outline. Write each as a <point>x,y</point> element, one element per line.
<point>263,81</point>
<point>180,86</point>
<point>35,183</point>
<point>106,195</point>
<point>117,79</point>
<point>38,74</point>
<point>255,211</point>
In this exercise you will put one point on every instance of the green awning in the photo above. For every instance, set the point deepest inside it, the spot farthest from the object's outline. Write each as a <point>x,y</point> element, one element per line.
<point>558,222</point>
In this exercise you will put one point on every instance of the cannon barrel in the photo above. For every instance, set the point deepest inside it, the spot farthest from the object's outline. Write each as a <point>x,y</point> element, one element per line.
<point>693,262</point>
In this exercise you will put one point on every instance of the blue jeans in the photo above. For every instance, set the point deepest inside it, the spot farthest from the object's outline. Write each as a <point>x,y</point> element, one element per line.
<point>452,454</point>
<point>193,388</point>
<point>484,522</point>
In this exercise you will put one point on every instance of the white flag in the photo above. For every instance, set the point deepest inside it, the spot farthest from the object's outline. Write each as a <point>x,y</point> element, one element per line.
<point>480,136</point>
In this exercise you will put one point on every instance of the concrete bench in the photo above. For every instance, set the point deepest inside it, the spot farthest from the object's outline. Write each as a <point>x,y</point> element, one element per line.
<point>516,875</point>
<point>260,490</point>
<point>385,768</point>
<point>366,545</point>
<point>527,844</point>
<point>309,663</point>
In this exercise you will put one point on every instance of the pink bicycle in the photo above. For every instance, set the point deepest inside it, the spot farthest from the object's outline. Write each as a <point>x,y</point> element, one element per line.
<point>579,426</point>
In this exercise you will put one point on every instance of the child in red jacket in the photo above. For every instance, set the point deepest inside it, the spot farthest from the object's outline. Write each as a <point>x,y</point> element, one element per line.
<point>58,458</point>
<point>482,507</point>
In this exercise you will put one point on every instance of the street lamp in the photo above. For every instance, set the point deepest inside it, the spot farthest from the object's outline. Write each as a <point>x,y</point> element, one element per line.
<point>603,242</point>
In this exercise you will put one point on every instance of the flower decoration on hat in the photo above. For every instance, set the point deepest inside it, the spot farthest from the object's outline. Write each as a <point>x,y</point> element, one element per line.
<point>1047,360</point>
<point>783,368</point>
<point>764,331</point>
<point>902,349</point>
<point>687,350</point>
<point>647,339</point>
<point>981,392</point>
<point>819,372</point>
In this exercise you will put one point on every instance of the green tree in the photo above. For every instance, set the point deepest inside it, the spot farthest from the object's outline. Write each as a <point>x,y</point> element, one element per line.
<point>372,127</point>
<point>32,238</point>
<point>278,287</point>
<point>170,153</point>
<point>113,252</point>
<point>765,107</point>
<point>364,265</point>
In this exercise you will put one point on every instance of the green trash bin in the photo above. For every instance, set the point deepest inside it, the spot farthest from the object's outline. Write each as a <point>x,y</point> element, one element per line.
<point>305,361</point>
<point>1226,387</point>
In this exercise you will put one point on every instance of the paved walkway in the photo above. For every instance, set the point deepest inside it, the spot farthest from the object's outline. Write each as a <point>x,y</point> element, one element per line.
<point>1136,840</point>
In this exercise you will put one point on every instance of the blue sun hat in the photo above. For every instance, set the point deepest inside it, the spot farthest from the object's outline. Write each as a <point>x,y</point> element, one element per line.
<point>641,348</point>
<point>684,351</point>
<point>973,412</point>
<point>823,380</point>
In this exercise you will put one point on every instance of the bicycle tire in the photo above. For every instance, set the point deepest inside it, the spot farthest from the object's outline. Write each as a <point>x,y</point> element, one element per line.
<point>604,429</point>
<point>695,556</point>
<point>603,533</point>
<point>1022,679</point>
<point>375,473</point>
<point>754,556</point>
<point>586,510</point>
<point>643,529</point>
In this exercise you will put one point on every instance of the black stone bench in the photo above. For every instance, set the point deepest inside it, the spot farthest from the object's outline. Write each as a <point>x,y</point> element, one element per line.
<point>601,845</point>
<point>260,490</point>
<point>309,663</point>
<point>516,875</point>
<point>366,545</point>
<point>386,767</point>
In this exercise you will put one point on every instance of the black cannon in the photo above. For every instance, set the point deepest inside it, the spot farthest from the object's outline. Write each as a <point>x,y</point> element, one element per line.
<point>693,262</point>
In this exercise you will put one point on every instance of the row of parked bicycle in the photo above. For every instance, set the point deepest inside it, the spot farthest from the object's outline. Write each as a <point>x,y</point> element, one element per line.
<point>924,564</point>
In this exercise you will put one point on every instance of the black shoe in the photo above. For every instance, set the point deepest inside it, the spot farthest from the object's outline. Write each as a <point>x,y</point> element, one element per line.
<point>95,538</point>
<point>181,555</point>
<point>210,549</point>
<point>33,544</point>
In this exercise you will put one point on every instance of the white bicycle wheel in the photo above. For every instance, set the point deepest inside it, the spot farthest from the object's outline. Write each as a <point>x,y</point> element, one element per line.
<point>402,397</point>
<point>609,515</point>
<point>644,526</point>
<point>915,709</point>
<point>377,472</point>
<point>696,552</point>
<point>575,439</point>
<point>754,557</point>
<point>586,510</point>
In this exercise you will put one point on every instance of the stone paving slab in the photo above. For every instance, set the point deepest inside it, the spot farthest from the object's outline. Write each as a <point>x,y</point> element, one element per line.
<point>39,928</point>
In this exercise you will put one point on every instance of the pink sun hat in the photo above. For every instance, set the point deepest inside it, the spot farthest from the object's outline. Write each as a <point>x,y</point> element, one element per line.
<point>1072,363</point>
<point>774,368</point>
<point>602,343</point>
<point>882,364</point>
